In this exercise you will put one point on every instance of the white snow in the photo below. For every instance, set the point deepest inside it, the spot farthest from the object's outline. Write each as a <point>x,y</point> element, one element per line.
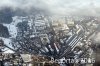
<point>32,36</point>
<point>7,42</point>
<point>8,51</point>
<point>13,32</point>
<point>12,26</point>
<point>12,29</point>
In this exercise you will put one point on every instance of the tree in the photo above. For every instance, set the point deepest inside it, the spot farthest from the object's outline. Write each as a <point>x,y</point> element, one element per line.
<point>4,31</point>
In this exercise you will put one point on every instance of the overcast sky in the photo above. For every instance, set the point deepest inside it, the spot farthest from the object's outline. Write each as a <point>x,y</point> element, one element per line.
<point>60,7</point>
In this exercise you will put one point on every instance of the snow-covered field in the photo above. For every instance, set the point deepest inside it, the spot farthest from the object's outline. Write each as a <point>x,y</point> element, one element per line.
<point>7,42</point>
<point>13,33</point>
